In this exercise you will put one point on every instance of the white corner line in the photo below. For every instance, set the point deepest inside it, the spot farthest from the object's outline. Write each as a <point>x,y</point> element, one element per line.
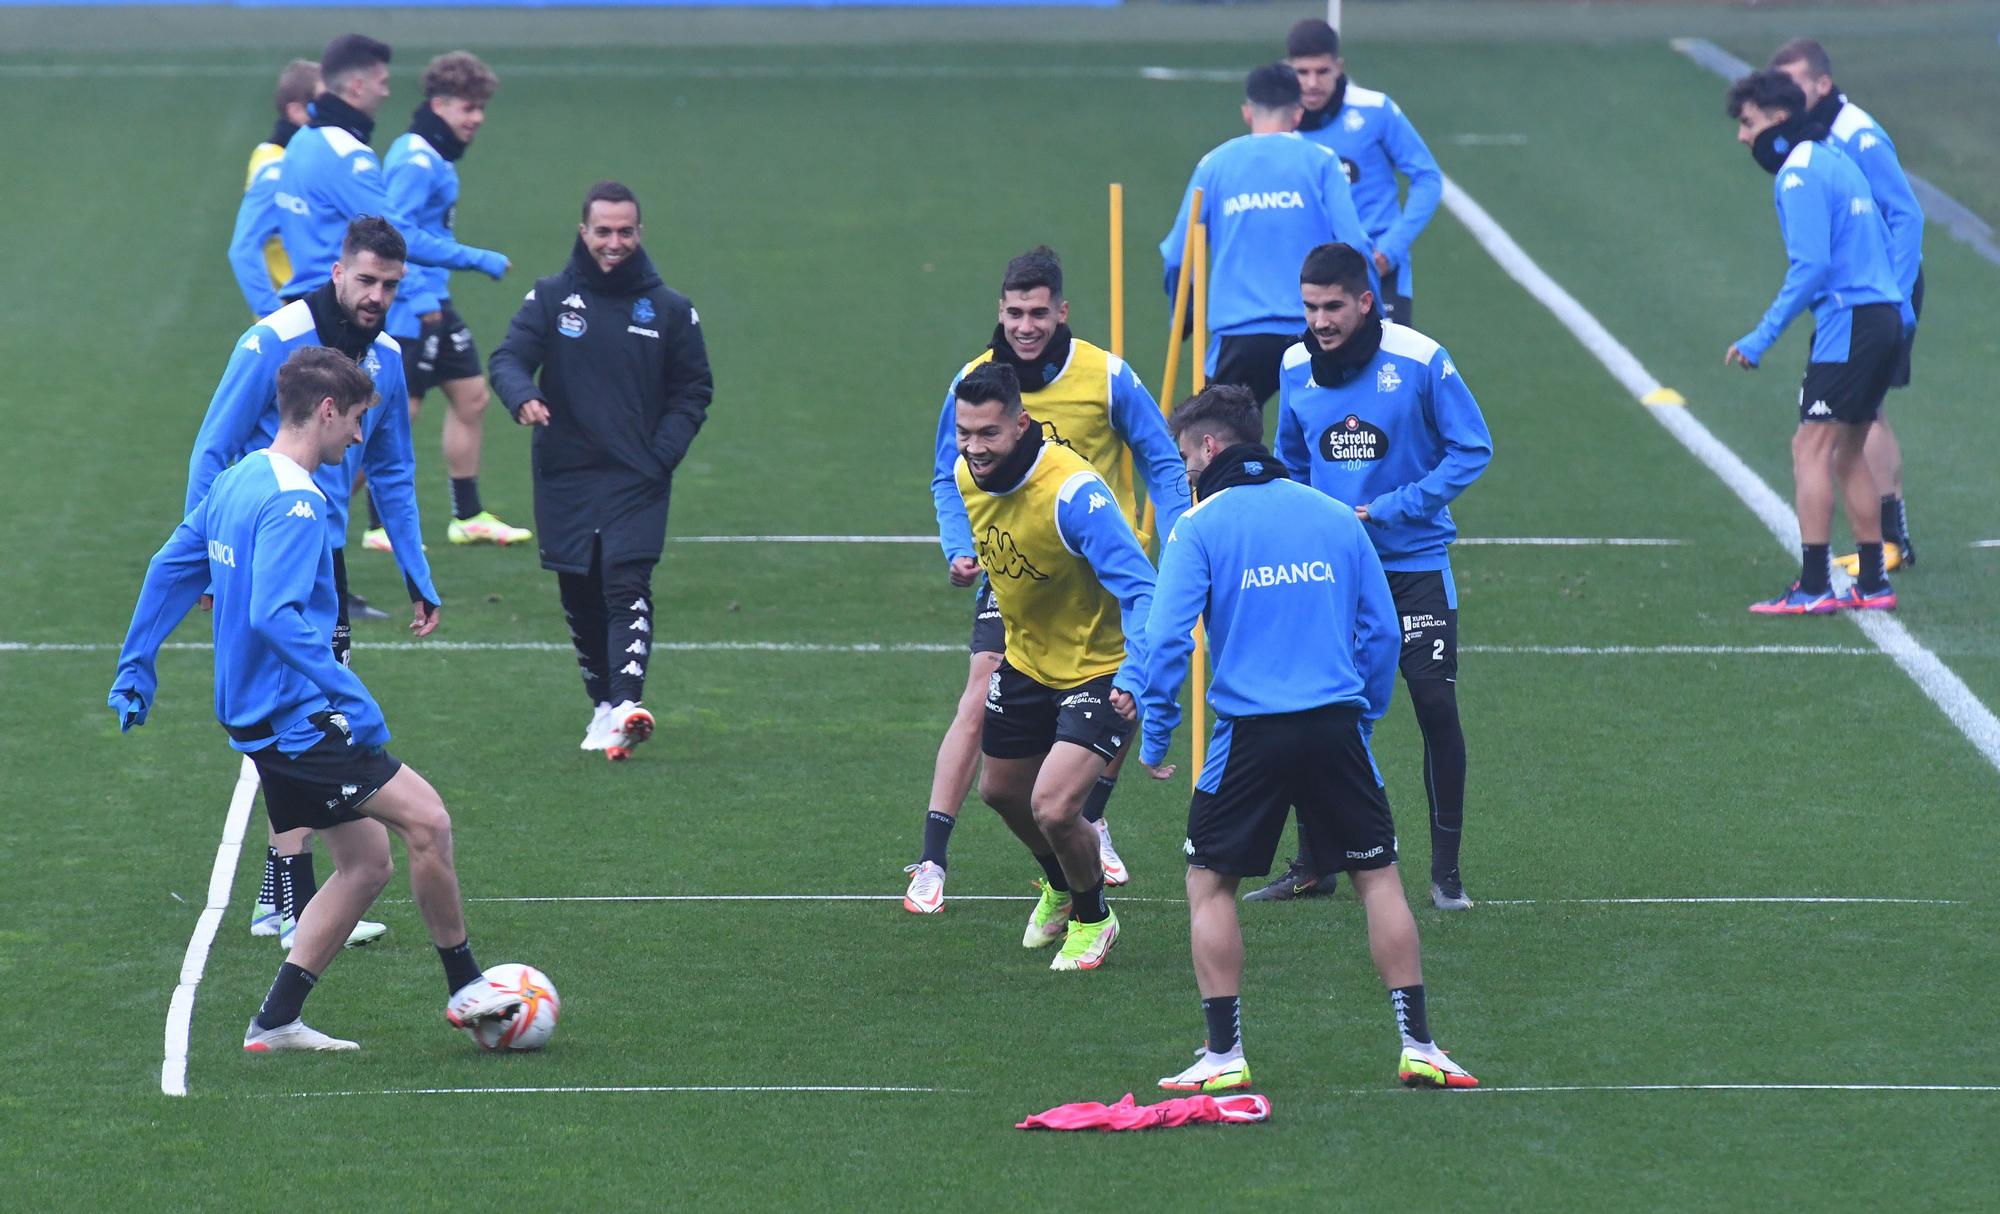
<point>180,1008</point>
<point>1803,900</point>
<point>681,1088</point>
<point>1937,681</point>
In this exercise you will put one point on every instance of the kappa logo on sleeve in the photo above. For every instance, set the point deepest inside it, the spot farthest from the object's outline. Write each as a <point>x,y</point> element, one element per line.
<point>252,344</point>
<point>300,510</point>
<point>1793,181</point>
<point>420,160</point>
<point>1097,500</point>
<point>363,164</point>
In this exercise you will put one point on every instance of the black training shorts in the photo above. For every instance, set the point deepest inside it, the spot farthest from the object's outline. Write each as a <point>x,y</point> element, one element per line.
<point>1260,768</point>
<point>1024,718</point>
<point>989,632</point>
<point>1252,360</point>
<point>1396,302</point>
<point>442,352</point>
<point>1852,391</point>
<point>1427,608</point>
<point>343,630</point>
<point>326,784</point>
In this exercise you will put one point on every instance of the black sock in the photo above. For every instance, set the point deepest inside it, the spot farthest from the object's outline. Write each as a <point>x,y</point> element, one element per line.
<point>1870,574</point>
<point>1100,796</point>
<point>1895,523</point>
<point>267,893</point>
<point>1816,569</point>
<point>296,885</point>
<point>937,836</point>
<point>374,519</point>
<point>465,497</point>
<point>1056,879</point>
<point>459,967</point>
<point>288,995</point>
<point>1088,904</point>
<point>1408,1002</point>
<point>1225,1023</point>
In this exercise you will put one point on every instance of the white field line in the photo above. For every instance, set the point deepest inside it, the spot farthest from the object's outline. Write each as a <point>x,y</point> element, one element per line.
<point>1508,139</point>
<point>1937,681</point>
<point>1374,1091</point>
<point>881,647</point>
<point>684,71</point>
<point>1750,1087</point>
<point>805,539</point>
<point>180,1009</point>
<point>693,1088</point>
<point>1986,543</point>
<point>1719,901</point>
<point>1939,207</point>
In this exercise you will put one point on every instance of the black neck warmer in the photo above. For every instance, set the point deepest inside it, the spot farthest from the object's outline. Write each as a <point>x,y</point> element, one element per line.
<point>1332,368</point>
<point>329,110</point>
<point>629,277</point>
<point>1048,364</point>
<point>1242,464</point>
<point>1828,108</point>
<point>337,330</point>
<point>433,130</point>
<point>1008,474</point>
<point>282,133</point>
<point>1776,143</point>
<point>1315,119</point>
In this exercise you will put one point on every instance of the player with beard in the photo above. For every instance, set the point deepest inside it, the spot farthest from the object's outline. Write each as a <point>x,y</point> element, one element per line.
<point>1856,133</point>
<point>345,314</point>
<point>1839,267</point>
<point>1073,587</point>
<point>1375,141</point>
<point>1088,400</point>
<point>1375,415</point>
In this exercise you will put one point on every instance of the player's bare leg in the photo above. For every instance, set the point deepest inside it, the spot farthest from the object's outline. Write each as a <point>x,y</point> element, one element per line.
<point>1061,787</point>
<point>1393,944</point>
<point>1216,941</point>
<point>951,778</point>
<point>362,868</point>
<point>464,433</point>
<point>410,807</point>
<point>1884,455</point>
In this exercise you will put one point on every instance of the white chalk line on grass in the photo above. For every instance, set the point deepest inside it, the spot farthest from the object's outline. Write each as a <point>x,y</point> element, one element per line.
<point>880,647</point>
<point>1747,1087</point>
<point>1937,681</point>
<point>922,1091</point>
<point>1694,901</point>
<point>180,1008</point>
<point>683,1088</point>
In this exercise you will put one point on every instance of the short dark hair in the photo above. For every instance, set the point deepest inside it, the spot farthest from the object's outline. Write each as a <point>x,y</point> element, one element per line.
<point>1806,51</point>
<point>1274,86</point>
<point>1038,267</point>
<point>460,74</point>
<point>350,53</point>
<point>1336,265</point>
<point>1769,90</point>
<point>1228,411</point>
<point>373,234</point>
<point>298,82</point>
<point>1310,38</point>
<point>609,191</point>
<point>990,382</point>
<point>314,373</point>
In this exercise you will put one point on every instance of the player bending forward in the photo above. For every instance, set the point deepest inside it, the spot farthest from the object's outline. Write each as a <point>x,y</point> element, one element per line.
<point>1265,561</point>
<point>1065,567</point>
<point>316,735</point>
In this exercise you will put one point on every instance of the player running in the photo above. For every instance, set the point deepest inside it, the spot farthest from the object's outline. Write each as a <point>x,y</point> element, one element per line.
<point>1265,561</point>
<point>258,541</point>
<point>345,315</point>
<point>1837,248</point>
<point>1073,588</point>
<point>256,254</point>
<point>1857,133</point>
<point>1375,415</point>
<point>422,171</point>
<point>1090,401</point>
<point>1375,141</point>
<point>1267,197</point>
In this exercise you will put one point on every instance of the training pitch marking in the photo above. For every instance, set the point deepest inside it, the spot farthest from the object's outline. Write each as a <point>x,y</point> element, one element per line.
<point>1804,900</point>
<point>878,647</point>
<point>180,1008</point>
<point>1936,680</point>
<point>686,1088</point>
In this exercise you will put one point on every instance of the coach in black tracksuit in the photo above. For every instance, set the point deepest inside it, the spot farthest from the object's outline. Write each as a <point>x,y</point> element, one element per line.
<point>624,387</point>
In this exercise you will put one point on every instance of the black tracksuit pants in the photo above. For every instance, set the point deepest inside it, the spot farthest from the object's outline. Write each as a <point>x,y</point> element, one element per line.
<point>610,614</point>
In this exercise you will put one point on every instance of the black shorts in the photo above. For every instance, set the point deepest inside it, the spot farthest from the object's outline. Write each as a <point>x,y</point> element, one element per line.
<point>325,785</point>
<point>1261,768</point>
<point>442,352</point>
<point>1901,379</point>
<point>1397,304</point>
<point>989,633</point>
<point>1253,360</point>
<point>1427,606</point>
<point>343,631</point>
<point>1852,391</point>
<point>1024,718</point>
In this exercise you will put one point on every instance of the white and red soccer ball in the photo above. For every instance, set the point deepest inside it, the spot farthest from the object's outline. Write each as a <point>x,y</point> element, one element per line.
<point>533,1020</point>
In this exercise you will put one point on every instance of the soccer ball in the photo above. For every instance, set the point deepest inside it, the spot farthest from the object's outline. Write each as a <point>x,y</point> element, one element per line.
<point>532,1022</point>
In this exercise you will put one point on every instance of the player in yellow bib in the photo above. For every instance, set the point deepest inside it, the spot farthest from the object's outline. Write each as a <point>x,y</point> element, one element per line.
<point>1088,400</point>
<point>1072,585</point>
<point>256,255</point>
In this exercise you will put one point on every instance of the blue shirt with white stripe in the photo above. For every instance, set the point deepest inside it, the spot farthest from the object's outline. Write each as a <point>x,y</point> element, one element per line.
<point>1874,153</point>
<point>1375,141</point>
<point>423,190</point>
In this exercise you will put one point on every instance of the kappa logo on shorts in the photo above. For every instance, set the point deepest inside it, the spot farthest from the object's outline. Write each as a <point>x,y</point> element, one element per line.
<point>348,790</point>
<point>461,340</point>
<point>1819,409</point>
<point>1187,846</point>
<point>569,324</point>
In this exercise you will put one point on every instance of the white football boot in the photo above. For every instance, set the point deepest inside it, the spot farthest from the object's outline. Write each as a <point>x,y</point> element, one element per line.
<point>294,1036</point>
<point>367,931</point>
<point>926,893</point>
<point>598,736</point>
<point>1108,858</point>
<point>480,999</point>
<point>630,725</point>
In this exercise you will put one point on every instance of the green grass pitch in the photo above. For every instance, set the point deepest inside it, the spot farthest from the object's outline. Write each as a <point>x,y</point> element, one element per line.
<point>837,193</point>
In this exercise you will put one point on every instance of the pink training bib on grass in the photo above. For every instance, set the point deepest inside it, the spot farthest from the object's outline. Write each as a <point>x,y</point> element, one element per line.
<point>1125,1115</point>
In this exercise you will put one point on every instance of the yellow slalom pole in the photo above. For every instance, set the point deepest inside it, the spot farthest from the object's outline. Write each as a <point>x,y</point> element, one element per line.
<point>1118,269</point>
<point>1198,676</point>
<point>1181,288</point>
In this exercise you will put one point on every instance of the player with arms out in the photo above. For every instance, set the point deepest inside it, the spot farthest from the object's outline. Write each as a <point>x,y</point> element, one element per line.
<point>1088,400</point>
<point>1839,267</point>
<point>258,540</point>
<point>1375,415</point>
<point>1073,587</point>
<point>1265,561</point>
